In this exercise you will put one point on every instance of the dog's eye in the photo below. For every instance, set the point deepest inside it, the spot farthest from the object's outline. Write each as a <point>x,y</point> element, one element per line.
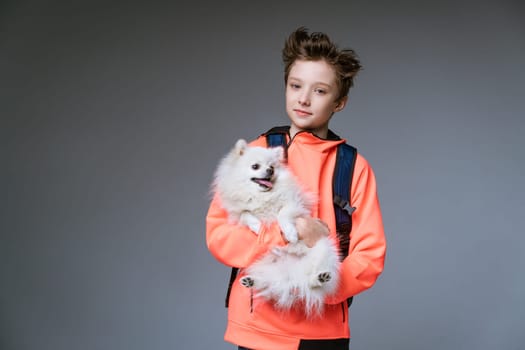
<point>255,166</point>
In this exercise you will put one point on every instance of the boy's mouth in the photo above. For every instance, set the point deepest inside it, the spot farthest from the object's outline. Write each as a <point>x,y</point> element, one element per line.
<point>302,113</point>
<point>265,182</point>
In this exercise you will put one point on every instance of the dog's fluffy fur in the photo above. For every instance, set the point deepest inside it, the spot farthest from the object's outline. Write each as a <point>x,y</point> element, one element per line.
<point>256,188</point>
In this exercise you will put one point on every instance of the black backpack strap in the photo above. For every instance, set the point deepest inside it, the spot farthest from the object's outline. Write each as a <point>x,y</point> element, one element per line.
<point>233,275</point>
<point>342,179</point>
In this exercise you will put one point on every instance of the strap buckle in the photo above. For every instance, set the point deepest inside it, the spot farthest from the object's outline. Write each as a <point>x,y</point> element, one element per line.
<point>343,204</point>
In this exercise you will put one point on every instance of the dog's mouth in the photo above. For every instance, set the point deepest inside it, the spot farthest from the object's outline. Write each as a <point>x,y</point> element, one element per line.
<point>265,183</point>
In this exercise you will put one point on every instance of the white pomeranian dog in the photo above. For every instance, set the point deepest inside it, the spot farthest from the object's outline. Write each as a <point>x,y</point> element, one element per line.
<point>256,188</point>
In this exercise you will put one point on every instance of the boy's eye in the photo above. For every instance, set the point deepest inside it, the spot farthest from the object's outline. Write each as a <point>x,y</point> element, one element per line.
<point>295,86</point>
<point>320,91</point>
<point>255,166</point>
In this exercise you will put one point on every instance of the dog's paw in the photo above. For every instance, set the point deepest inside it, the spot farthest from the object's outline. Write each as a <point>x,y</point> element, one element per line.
<point>255,227</point>
<point>251,221</point>
<point>289,231</point>
<point>247,281</point>
<point>324,277</point>
<point>318,280</point>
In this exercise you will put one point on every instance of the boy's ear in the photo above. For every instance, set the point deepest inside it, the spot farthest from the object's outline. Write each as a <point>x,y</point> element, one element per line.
<point>341,104</point>
<point>240,147</point>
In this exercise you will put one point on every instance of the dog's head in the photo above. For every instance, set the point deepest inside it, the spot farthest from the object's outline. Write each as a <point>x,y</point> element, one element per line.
<point>258,165</point>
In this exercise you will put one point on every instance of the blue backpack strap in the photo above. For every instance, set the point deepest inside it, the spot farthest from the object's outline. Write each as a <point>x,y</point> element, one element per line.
<point>277,136</point>
<point>341,182</point>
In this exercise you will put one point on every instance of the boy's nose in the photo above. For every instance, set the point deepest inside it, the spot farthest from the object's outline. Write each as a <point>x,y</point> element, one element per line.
<point>304,100</point>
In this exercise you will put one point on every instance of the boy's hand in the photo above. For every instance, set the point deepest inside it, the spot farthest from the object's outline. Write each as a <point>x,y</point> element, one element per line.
<point>310,230</point>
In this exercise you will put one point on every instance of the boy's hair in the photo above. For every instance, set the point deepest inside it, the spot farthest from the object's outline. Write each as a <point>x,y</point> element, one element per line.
<point>317,46</point>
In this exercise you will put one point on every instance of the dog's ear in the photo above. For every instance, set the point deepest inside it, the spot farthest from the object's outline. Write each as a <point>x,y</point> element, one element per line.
<point>279,151</point>
<point>240,147</point>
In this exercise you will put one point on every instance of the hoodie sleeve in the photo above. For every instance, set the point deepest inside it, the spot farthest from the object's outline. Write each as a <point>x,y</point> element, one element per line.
<point>365,261</point>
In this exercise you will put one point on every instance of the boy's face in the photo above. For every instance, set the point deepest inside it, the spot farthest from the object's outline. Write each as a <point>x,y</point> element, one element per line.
<point>311,93</point>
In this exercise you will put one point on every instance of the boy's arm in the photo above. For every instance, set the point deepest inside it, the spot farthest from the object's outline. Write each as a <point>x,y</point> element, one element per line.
<point>365,261</point>
<point>236,245</point>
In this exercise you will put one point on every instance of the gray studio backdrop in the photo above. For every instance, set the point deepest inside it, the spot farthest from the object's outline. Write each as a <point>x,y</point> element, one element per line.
<point>113,118</point>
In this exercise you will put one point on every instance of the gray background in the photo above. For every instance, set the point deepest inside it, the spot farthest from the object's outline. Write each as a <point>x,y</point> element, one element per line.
<point>114,116</point>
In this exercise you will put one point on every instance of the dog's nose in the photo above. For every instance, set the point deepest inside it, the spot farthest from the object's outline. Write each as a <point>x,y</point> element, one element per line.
<point>269,171</point>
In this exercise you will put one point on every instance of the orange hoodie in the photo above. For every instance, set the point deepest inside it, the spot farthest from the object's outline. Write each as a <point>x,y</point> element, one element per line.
<point>255,323</point>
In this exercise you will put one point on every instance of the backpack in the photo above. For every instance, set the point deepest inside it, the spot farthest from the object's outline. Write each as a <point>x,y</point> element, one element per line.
<point>343,172</point>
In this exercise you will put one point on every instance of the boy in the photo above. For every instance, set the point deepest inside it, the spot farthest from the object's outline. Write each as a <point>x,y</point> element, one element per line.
<point>318,76</point>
